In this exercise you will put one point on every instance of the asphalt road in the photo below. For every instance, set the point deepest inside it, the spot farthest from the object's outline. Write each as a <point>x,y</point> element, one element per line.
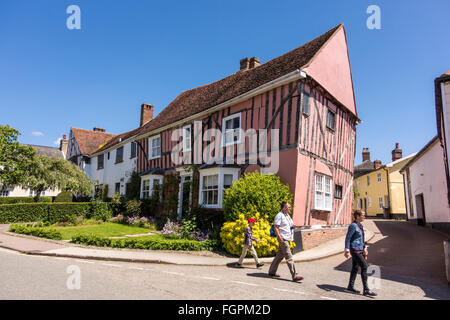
<point>405,274</point>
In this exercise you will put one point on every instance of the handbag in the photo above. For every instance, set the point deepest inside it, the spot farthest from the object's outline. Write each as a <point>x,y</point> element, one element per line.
<point>272,232</point>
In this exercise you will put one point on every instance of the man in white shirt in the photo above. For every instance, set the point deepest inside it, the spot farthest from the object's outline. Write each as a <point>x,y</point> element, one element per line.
<point>284,229</point>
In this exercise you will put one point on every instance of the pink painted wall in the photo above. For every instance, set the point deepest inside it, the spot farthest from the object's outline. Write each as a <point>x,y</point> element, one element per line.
<point>427,176</point>
<point>331,68</point>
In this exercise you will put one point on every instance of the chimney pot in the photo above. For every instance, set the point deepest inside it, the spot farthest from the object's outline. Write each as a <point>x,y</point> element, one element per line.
<point>366,154</point>
<point>397,153</point>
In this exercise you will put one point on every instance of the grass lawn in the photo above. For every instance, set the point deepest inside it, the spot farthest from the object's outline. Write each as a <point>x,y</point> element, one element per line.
<point>107,229</point>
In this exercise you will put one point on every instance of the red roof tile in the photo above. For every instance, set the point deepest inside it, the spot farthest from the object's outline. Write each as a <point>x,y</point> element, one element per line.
<point>89,140</point>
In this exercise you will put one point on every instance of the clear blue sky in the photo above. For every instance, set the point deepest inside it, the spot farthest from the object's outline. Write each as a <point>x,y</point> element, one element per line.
<point>130,52</point>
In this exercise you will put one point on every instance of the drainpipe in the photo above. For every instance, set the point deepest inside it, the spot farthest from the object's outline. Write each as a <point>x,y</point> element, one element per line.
<point>389,193</point>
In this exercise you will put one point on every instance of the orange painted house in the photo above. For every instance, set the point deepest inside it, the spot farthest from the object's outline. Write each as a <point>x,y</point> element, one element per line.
<point>305,101</point>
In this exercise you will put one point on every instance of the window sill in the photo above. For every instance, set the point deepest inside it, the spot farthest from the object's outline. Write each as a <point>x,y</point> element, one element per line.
<point>154,158</point>
<point>117,162</point>
<point>331,129</point>
<point>100,168</point>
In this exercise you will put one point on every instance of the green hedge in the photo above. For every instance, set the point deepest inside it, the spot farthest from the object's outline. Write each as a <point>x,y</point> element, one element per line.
<point>149,244</point>
<point>65,196</point>
<point>53,212</point>
<point>37,232</point>
<point>12,200</point>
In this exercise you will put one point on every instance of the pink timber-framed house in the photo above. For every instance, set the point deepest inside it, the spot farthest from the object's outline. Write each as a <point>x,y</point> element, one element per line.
<point>307,94</point>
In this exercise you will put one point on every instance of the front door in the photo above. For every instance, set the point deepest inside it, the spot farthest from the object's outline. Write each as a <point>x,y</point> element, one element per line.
<point>421,221</point>
<point>184,198</point>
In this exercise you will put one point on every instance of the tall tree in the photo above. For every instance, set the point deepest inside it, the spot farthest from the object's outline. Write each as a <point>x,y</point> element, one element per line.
<point>46,173</point>
<point>14,158</point>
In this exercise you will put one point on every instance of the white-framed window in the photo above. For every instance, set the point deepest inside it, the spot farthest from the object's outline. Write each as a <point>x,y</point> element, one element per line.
<point>369,202</point>
<point>231,130</point>
<point>379,177</point>
<point>323,192</point>
<point>213,183</point>
<point>4,193</point>
<point>380,202</point>
<point>154,147</point>
<point>145,192</point>
<point>187,134</point>
<point>149,184</point>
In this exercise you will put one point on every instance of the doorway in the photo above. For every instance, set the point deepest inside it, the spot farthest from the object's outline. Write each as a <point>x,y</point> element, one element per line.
<point>184,196</point>
<point>420,206</point>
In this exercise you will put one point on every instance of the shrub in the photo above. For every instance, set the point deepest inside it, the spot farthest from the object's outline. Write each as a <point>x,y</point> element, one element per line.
<point>146,243</point>
<point>36,231</point>
<point>65,196</point>
<point>133,208</point>
<point>253,193</point>
<point>67,212</point>
<point>101,211</point>
<point>23,212</point>
<point>13,200</point>
<point>232,235</point>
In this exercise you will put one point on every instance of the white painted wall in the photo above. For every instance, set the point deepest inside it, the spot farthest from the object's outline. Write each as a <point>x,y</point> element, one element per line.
<point>113,172</point>
<point>427,176</point>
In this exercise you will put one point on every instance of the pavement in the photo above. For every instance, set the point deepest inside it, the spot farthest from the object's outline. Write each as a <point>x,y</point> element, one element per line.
<point>44,247</point>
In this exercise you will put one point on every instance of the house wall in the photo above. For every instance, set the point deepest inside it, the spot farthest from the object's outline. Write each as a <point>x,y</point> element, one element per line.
<point>427,177</point>
<point>373,191</point>
<point>20,192</point>
<point>445,91</point>
<point>113,172</point>
<point>397,189</point>
<point>305,145</point>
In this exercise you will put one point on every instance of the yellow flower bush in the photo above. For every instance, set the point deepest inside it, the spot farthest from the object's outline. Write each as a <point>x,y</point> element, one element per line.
<point>232,235</point>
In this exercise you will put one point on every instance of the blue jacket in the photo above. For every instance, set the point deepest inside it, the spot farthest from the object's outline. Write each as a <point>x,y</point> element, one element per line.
<point>355,238</point>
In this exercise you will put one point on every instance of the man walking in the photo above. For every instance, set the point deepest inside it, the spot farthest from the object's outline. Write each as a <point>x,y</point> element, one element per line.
<point>284,229</point>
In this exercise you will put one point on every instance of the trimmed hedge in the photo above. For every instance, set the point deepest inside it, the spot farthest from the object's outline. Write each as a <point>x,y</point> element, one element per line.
<point>148,244</point>
<point>65,196</point>
<point>52,212</point>
<point>12,200</point>
<point>37,232</point>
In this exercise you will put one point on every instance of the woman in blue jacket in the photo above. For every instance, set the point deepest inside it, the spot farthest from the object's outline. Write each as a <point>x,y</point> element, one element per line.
<point>356,247</point>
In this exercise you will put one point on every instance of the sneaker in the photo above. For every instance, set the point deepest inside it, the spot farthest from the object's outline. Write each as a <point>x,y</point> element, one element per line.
<point>297,278</point>
<point>369,293</point>
<point>275,275</point>
<point>352,290</point>
<point>259,265</point>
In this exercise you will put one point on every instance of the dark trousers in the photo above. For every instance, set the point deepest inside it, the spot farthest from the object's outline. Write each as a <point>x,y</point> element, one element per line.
<point>358,262</point>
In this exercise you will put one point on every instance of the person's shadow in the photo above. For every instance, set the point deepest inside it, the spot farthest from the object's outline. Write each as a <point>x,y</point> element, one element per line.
<point>265,275</point>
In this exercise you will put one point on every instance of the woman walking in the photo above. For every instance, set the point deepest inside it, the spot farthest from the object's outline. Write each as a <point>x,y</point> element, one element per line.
<point>356,247</point>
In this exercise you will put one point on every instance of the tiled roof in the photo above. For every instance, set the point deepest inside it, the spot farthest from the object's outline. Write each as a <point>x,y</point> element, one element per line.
<point>202,98</point>
<point>363,168</point>
<point>89,140</point>
<point>116,140</point>
<point>50,152</point>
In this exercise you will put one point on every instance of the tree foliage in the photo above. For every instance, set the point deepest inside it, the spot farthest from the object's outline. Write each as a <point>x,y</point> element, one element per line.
<point>14,157</point>
<point>255,192</point>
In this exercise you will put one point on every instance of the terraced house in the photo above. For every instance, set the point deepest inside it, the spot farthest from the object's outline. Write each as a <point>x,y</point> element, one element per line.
<point>305,101</point>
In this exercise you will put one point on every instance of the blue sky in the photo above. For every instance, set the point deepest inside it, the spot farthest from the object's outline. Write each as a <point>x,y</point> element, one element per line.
<point>130,52</point>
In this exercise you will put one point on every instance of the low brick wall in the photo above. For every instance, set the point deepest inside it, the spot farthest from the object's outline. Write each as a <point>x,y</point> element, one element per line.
<point>309,238</point>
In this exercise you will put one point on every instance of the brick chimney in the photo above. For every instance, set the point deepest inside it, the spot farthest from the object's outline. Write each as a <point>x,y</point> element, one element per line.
<point>397,153</point>
<point>366,154</point>
<point>245,64</point>
<point>63,145</point>
<point>254,62</point>
<point>377,164</point>
<point>97,129</point>
<point>146,113</point>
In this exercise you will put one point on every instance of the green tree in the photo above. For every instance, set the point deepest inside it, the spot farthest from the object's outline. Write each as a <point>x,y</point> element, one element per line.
<point>255,192</point>
<point>14,157</point>
<point>43,173</point>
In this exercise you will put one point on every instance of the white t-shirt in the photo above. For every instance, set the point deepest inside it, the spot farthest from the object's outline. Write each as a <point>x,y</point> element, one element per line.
<point>284,223</point>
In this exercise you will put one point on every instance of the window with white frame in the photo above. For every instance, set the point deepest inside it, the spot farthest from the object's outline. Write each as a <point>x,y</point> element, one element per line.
<point>231,129</point>
<point>213,183</point>
<point>145,189</point>
<point>150,184</point>
<point>187,138</point>
<point>4,193</point>
<point>380,202</point>
<point>369,202</point>
<point>155,147</point>
<point>323,192</point>
<point>379,177</point>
